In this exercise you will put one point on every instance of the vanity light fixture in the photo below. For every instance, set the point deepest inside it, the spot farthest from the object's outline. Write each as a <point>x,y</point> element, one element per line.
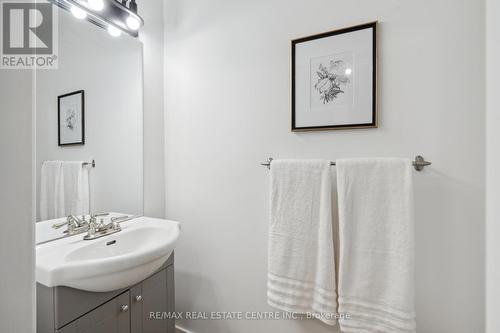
<point>78,12</point>
<point>115,32</point>
<point>96,5</point>
<point>115,16</point>
<point>133,23</point>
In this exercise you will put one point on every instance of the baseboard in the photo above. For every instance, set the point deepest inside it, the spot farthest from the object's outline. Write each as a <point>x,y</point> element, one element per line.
<point>179,329</point>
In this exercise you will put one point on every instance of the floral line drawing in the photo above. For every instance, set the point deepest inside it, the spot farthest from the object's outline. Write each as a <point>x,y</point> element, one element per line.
<point>331,80</point>
<point>71,119</point>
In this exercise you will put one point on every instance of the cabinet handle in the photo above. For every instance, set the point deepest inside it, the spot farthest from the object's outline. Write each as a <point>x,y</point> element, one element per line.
<point>138,298</point>
<point>124,308</point>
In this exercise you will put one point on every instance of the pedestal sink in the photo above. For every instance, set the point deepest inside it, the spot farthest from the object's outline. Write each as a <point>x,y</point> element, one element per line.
<point>110,263</point>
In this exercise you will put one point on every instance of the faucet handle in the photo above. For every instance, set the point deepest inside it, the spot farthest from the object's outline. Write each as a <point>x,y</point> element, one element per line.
<point>59,225</point>
<point>93,220</point>
<point>92,229</point>
<point>99,215</point>
<point>69,221</point>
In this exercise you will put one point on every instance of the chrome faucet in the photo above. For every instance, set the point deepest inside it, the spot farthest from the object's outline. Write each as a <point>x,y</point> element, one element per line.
<point>93,228</point>
<point>97,230</point>
<point>77,225</point>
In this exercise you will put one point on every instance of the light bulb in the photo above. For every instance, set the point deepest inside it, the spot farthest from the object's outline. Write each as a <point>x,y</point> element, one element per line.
<point>96,5</point>
<point>113,31</point>
<point>348,71</point>
<point>133,23</point>
<point>78,13</point>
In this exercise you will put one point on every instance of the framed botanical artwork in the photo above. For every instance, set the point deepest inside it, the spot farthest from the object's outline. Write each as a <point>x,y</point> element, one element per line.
<point>71,118</point>
<point>334,79</point>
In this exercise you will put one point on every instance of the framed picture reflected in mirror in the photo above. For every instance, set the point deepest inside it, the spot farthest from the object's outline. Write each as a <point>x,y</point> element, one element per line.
<point>71,118</point>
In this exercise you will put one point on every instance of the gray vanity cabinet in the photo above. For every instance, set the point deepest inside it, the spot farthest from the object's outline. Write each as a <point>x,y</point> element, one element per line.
<point>152,301</point>
<point>67,310</point>
<point>108,318</point>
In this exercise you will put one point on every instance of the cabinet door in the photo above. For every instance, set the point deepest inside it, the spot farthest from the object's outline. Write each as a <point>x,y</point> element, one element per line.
<point>136,301</point>
<point>157,296</point>
<point>111,317</point>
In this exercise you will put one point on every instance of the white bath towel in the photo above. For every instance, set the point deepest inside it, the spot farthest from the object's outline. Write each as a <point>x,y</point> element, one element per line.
<point>64,189</point>
<point>51,190</point>
<point>376,269</point>
<point>76,188</point>
<point>301,267</point>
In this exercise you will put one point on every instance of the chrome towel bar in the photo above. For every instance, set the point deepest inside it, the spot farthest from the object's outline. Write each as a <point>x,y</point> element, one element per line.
<point>419,163</point>
<point>91,164</point>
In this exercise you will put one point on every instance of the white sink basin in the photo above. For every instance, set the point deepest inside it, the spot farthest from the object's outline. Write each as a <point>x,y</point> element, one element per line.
<point>109,263</point>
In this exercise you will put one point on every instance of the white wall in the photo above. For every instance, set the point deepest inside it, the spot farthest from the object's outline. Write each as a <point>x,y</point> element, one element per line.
<point>152,36</point>
<point>492,166</point>
<point>110,71</point>
<point>227,109</point>
<point>16,213</point>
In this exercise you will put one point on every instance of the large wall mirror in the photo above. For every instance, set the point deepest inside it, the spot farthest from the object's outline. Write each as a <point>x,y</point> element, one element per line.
<point>89,110</point>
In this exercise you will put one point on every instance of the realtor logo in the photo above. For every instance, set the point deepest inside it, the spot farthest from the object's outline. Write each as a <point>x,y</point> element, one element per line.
<point>29,35</point>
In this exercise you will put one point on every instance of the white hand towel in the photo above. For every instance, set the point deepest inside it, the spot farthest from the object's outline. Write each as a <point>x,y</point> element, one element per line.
<point>76,188</point>
<point>301,267</point>
<point>376,269</point>
<point>51,190</point>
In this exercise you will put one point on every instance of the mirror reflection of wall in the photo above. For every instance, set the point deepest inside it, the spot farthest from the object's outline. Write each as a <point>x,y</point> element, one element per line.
<point>108,73</point>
